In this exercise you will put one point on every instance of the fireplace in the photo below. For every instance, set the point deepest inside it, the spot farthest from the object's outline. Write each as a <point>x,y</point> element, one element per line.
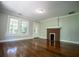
<point>53,37</point>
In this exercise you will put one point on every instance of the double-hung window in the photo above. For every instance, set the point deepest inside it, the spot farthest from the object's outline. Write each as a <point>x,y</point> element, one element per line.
<point>17,26</point>
<point>24,27</point>
<point>13,26</point>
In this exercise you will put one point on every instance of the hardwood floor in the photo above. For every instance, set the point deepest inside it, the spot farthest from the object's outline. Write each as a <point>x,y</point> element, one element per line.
<point>38,48</point>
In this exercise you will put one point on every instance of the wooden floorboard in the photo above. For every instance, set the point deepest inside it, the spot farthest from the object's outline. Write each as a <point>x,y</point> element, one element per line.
<point>38,48</point>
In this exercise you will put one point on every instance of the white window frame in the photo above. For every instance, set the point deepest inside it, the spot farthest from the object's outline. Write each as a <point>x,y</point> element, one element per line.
<point>19,23</point>
<point>22,34</point>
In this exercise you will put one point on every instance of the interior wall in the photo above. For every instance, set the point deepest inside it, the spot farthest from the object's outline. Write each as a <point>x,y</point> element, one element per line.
<point>44,24</point>
<point>69,25</point>
<point>3,25</point>
<point>3,29</point>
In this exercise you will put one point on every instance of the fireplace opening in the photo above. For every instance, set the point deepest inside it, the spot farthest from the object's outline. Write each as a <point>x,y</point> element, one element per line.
<point>52,38</point>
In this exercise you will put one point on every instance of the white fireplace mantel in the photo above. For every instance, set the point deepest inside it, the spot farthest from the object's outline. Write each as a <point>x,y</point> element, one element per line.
<point>53,27</point>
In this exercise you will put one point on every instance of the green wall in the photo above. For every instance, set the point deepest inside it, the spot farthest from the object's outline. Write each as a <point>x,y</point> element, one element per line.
<point>49,23</point>
<point>69,25</point>
<point>70,28</point>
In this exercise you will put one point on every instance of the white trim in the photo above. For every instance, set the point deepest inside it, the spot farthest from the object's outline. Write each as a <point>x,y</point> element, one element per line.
<point>69,41</point>
<point>32,38</point>
<point>68,15</point>
<point>59,17</point>
<point>65,41</point>
<point>43,37</point>
<point>17,39</point>
<point>53,27</point>
<point>62,16</point>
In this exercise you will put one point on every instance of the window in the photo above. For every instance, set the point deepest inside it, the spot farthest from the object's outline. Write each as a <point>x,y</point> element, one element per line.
<point>17,26</point>
<point>24,27</point>
<point>13,26</point>
<point>35,29</point>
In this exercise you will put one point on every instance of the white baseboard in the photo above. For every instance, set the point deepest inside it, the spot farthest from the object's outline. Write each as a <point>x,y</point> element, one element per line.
<point>70,41</point>
<point>33,37</point>
<point>42,37</point>
<point>17,39</point>
<point>64,41</point>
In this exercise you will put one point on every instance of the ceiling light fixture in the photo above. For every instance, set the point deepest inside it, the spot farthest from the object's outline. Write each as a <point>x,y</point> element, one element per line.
<point>40,10</point>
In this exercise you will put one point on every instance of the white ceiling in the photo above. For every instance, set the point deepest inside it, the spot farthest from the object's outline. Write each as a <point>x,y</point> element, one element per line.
<point>53,8</point>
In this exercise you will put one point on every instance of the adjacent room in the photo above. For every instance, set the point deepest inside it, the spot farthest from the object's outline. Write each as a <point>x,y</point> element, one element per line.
<point>39,28</point>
